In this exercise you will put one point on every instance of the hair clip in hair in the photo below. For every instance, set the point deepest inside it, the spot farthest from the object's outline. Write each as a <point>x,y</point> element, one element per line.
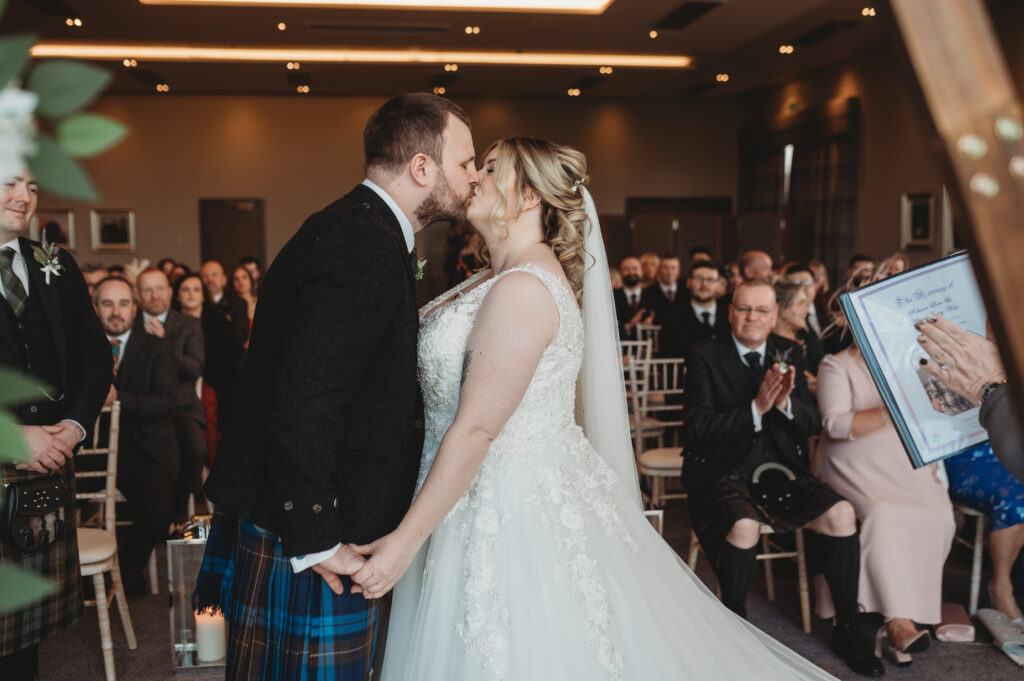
<point>576,186</point>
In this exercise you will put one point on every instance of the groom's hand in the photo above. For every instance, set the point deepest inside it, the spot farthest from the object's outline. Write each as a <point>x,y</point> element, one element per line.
<point>345,561</point>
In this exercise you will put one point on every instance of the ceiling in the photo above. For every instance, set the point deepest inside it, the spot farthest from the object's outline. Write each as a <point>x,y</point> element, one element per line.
<point>737,37</point>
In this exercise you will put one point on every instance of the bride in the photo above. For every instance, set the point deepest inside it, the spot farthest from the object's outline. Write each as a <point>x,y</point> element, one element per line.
<point>525,553</point>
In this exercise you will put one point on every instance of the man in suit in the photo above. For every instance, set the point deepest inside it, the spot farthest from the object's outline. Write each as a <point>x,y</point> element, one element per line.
<point>145,380</point>
<point>326,445</point>
<point>665,300</point>
<point>742,411</point>
<point>48,332</point>
<point>705,316</point>
<point>755,265</point>
<point>628,309</point>
<point>234,309</point>
<point>183,336</point>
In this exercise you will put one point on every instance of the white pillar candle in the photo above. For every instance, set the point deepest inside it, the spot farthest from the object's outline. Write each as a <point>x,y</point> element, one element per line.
<point>211,644</point>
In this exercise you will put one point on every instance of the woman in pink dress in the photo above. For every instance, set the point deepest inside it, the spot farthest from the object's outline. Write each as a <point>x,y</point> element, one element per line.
<point>907,524</point>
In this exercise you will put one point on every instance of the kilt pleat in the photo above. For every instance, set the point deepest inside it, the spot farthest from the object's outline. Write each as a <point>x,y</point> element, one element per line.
<point>291,627</point>
<point>58,563</point>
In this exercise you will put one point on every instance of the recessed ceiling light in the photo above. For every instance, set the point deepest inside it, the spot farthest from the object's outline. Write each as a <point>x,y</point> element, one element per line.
<point>653,34</point>
<point>785,49</point>
<point>163,87</point>
<point>552,6</point>
<point>574,92</point>
<point>472,30</point>
<point>74,21</point>
<point>868,11</point>
<point>605,70</point>
<point>282,26</point>
<point>451,67</point>
<point>722,77</point>
<point>293,66</point>
<point>195,53</point>
<point>302,89</point>
<point>130,63</point>
<point>439,90</point>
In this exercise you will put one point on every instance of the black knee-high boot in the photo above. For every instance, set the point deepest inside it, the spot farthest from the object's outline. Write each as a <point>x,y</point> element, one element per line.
<point>842,572</point>
<point>735,570</point>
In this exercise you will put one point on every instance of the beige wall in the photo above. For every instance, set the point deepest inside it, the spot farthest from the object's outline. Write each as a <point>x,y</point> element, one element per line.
<point>299,154</point>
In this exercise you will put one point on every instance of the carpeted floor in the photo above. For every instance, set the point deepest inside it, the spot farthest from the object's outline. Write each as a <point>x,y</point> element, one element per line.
<point>75,654</point>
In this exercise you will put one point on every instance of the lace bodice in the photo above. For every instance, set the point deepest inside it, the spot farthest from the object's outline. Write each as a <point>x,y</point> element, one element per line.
<point>548,405</point>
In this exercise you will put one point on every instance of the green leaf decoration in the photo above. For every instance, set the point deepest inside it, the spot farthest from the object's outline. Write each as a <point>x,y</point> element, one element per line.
<point>3,3</point>
<point>13,54</point>
<point>87,134</point>
<point>59,173</point>
<point>18,388</point>
<point>12,445</point>
<point>66,86</point>
<point>19,588</point>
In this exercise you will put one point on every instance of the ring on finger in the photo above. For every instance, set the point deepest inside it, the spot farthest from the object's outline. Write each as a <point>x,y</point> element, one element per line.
<point>944,367</point>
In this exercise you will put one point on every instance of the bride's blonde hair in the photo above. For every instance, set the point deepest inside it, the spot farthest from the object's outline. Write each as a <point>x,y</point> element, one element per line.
<point>556,173</point>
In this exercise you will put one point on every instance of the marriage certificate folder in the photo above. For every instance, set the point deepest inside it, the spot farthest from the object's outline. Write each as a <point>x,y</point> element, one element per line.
<point>933,422</point>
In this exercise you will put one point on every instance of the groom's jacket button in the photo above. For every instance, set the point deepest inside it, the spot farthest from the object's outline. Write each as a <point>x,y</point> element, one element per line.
<point>417,423</point>
<point>317,508</point>
<point>335,502</point>
<point>288,505</point>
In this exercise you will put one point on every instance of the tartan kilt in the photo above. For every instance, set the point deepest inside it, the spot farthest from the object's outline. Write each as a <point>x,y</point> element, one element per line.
<point>58,563</point>
<point>291,627</point>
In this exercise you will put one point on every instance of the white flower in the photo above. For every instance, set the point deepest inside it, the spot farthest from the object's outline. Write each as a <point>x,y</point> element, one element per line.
<point>17,129</point>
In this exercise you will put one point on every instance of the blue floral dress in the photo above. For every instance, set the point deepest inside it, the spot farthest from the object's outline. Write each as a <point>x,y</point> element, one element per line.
<point>976,478</point>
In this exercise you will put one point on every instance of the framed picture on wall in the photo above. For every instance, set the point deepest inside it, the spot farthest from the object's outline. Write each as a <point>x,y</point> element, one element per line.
<point>58,224</point>
<point>917,220</point>
<point>112,229</point>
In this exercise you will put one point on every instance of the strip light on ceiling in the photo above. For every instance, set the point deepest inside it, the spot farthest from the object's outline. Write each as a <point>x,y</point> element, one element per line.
<point>197,53</point>
<point>552,6</point>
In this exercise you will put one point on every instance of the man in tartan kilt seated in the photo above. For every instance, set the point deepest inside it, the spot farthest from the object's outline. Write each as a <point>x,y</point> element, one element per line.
<point>326,443</point>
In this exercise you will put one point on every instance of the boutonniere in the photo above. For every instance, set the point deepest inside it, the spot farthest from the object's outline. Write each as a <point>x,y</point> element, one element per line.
<point>421,265</point>
<point>782,359</point>
<point>46,255</point>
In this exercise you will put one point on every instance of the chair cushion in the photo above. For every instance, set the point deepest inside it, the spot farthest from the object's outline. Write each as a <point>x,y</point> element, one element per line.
<point>668,459</point>
<point>648,423</point>
<point>94,545</point>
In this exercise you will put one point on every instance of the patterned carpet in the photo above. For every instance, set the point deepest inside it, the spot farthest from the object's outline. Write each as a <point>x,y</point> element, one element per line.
<point>75,654</point>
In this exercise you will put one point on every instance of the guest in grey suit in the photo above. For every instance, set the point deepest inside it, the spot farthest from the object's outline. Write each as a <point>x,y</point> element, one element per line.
<point>183,336</point>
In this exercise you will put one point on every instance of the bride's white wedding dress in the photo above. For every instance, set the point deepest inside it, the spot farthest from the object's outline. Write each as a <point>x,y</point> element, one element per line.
<point>545,569</point>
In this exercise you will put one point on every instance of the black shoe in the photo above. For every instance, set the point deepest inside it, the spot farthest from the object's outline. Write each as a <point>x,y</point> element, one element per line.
<point>134,584</point>
<point>848,644</point>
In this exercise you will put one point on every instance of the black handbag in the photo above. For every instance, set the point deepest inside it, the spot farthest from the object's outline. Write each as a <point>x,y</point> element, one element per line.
<point>774,490</point>
<point>33,513</point>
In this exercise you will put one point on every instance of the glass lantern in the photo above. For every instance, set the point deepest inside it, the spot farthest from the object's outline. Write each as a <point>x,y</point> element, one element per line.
<point>197,641</point>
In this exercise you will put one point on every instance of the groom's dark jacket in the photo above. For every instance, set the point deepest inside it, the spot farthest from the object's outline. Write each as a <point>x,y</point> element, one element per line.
<point>326,442</point>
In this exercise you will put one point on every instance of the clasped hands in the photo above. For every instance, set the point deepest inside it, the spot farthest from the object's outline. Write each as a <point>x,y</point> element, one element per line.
<point>374,568</point>
<point>775,389</point>
<point>49,446</point>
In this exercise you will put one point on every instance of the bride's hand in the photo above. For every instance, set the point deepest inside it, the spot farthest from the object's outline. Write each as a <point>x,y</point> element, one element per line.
<point>390,557</point>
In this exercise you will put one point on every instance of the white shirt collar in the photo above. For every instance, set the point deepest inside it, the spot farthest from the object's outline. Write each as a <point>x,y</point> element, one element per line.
<point>13,243</point>
<point>407,231</point>
<point>635,291</point>
<point>217,297</point>
<point>743,350</point>
<point>698,310</point>
<point>666,288</point>
<point>123,338</point>
<point>161,317</point>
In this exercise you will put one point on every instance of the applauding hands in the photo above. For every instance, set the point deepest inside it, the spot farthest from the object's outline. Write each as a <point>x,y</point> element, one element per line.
<point>775,389</point>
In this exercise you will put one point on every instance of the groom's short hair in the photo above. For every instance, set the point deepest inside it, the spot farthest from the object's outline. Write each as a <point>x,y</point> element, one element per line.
<point>406,125</point>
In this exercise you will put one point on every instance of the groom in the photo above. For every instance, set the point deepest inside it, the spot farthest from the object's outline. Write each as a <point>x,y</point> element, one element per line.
<point>325,448</point>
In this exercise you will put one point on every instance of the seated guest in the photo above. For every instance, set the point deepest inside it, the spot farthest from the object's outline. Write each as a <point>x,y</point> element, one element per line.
<point>755,265</point>
<point>93,274</point>
<point>860,264</point>
<point>794,304</point>
<point>244,287</point>
<point>183,336</point>
<point>698,253</point>
<point>907,524</point>
<point>649,263</point>
<point>252,265</point>
<point>706,315</point>
<point>666,302</point>
<point>822,293</point>
<point>616,278</point>
<point>742,411</point>
<point>222,351</point>
<point>177,273</point>
<point>166,265</point>
<point>896,263</point>
<point>802,274</point>
<point>217,293</point>
<point>628,308</point>
<point>115,271</point>
<point>145,381</point>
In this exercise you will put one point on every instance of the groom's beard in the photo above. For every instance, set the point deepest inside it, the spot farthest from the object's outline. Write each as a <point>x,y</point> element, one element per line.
<point>443,205</point>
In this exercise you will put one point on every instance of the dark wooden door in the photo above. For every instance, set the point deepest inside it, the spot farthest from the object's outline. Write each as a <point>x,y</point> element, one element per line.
<point>230,229</point>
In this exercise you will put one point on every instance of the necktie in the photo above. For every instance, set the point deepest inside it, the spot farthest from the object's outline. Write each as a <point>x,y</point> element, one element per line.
<point>13,288</point>
<point>754,366</point>
<point>671,295</point>
<point>115,352</point>
<point>634,301</point>
<point>706,316</point>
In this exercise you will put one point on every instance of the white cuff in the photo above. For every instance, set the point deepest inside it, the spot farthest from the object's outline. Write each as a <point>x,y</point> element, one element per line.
<point>82,436</point>
<point>757,417</point>
<point>788,411</point>
<point>300,563</point>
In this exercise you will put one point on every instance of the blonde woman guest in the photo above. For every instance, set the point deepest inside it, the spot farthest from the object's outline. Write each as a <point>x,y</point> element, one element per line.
<point>907,524</point>
<point>794,300</point>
